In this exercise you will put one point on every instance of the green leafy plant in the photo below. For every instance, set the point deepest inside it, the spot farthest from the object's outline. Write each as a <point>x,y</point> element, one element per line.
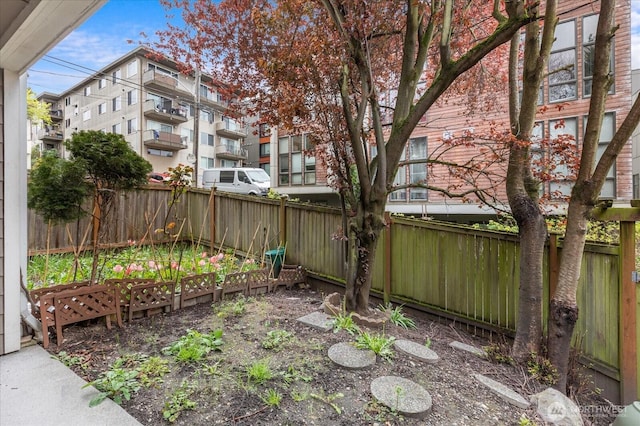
<point>259,372</point>
<point>292,375</point>
<point>194,346</point>
<point>276,339</point>
<point>499,353</point>
<point>329,399</point>
<point>179,401</point>
<point>378,343</point>
<point>152,370</point>
<point>117,383</point>
<point>541,369</point>
<point>299,396</point>
<point>427,343</point>
<point>71,360</point>
<point>345,322</point>
<point>397,317</point>
<point>272,398</point>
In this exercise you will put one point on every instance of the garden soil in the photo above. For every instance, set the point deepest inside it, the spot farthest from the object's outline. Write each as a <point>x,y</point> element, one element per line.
<point>312,389</point>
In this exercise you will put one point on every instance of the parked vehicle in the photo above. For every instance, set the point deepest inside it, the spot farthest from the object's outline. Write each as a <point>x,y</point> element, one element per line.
<point>241,180</point>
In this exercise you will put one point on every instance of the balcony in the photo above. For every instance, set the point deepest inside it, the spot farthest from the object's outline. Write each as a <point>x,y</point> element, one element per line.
<point>231,129</point>
<point>163,140</point>
<point>151,79</point>
<point>56,114</point>
<point>212,101</point>
<point>54,135</point>
<point>164,114</point>
<point>231,152</point>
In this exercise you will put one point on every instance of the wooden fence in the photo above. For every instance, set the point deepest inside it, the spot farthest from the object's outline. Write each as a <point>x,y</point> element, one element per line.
<point>453,270</point>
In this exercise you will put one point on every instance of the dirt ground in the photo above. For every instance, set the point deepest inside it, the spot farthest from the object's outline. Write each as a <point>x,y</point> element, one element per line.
<point>313,390</point>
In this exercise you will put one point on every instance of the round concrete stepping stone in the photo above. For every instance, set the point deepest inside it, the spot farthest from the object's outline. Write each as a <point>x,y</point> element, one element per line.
<point>416,350</point>
<point>406,397</point>
<point>346,355</point>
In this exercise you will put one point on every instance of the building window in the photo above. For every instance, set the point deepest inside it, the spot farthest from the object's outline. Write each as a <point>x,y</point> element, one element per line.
<point>102,108</point>
<point>564,175</point>
<point>116,103</point>
<point>589,27</point>
<point>265,149</point>
<point>266,167</point>
<point>116,76</point>
<point>607,131</point>
<point>229,163</point>
<point>636,186</point>
<point>67,101</point>
<point>284,169</point>
<point>87,91</point>
<point>132,68</point>
<point>187,135</point>
<point>102,83</point>
<point>207,162</point>
<point>67,123</point>
<point>562,63</point>
<point>132,97</point>
<point>283,145</point>
<point>310,170</point>
<point>264,130</point>
<point>398,180</point>
<point>164,71</point>
<point>132,126</point>
<point>86,115</point>
<point>117,129</point>
<point>206,139</point>
<point>159,152</point>
<point>206,116</point>
<point>418,172</point>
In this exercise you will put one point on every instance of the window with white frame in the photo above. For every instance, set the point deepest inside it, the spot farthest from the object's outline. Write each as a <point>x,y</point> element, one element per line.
<point>607,130</point>
<point>562,63</point>
<point>589,27</point>
<point>186,134</point>
<point>102,83</point>
<point>116,103</point>
<point>399,179</point>
<point>206,139</point>
<point>229,163</point>
<point>418,172</point>
<point>116,76</point>
<point>116,128</point>
<point>207,162</point>
<point>132,125</point>
<point>132,68</point>
<point>206,116</point>
<point>566,129</point>
<point>87,91</point>
<point>132,97</point>
<point>86,115</point>
<point>102,108</point>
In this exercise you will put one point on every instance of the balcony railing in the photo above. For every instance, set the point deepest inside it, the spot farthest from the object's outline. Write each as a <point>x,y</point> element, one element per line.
<point>51,135</point>
<point>156,80</point>
<point>163,113</point>
<point>163,140</point>
<point>231,152</point>
<point>212,100</point>
<point>56,114</point>
<point>231,129</point>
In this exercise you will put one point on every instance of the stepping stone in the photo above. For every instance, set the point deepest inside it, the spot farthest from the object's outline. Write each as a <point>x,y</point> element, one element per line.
<point>406,397</point>
<point>348,356</point>
<point>318,320</point>
<point>504,392</point>
<point>471,349</point>
<point>416,350</point>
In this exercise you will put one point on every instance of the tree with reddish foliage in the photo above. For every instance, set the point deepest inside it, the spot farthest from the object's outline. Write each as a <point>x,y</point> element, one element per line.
<point>353,73</point>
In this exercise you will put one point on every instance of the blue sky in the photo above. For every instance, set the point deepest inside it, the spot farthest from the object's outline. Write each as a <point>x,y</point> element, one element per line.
<point>104,37</point>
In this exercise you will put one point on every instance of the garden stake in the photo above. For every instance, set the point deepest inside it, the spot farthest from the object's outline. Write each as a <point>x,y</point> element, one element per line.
<point>252,240</point>
<point>224,236</point>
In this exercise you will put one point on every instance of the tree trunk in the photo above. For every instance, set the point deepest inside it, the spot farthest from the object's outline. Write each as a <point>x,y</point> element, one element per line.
<point>563,311</point>
<point>532,230</point>
<point>363,241</point>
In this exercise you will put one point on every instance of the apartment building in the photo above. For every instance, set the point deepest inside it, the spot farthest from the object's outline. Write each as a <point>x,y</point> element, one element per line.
<point>565,95</point>
<point>167,117</point>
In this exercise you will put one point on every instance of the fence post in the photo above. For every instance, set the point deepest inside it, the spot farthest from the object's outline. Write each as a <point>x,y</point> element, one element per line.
<point>628,342</point>
<point>387,259</point>
<point>212,218</point>
<point>283,220</point>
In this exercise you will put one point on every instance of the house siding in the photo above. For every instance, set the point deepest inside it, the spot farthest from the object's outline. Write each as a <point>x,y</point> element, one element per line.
<point>2,322</point>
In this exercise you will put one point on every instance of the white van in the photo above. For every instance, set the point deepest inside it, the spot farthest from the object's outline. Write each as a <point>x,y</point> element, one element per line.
<point>241,180</point>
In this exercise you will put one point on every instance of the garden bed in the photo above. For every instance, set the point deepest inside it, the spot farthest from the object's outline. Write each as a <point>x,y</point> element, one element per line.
<point>230,383</point>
